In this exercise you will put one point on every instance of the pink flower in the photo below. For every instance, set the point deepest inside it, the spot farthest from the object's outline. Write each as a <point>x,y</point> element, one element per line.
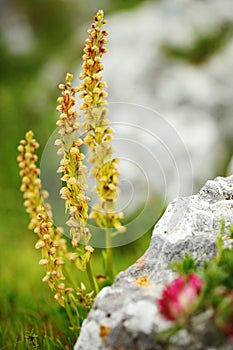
<point>180,297</point>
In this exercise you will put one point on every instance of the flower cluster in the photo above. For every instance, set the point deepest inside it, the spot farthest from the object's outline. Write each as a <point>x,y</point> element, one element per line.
<point>68,122</point>
<point>53,250</point>
<point>52,245</point>
<point>180,298</point>
<point>71,165</point>
<point>92,87</point>
<point>31,184</point>
<point>54,253</point>
<point>98,140</point>
<point>208,299</point>
<point>98,132</point>
<point>56,258</point>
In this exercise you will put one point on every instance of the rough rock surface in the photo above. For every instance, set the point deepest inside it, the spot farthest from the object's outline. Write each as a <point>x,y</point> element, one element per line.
<point>125,315</point>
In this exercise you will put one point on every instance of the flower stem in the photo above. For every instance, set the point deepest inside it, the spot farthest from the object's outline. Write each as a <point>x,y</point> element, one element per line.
<point>91,277</point>
<point>109,260</point>
<point>69,314</point>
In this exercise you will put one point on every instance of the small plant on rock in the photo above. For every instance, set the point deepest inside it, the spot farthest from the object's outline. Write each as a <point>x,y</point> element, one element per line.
<point>201,296</point>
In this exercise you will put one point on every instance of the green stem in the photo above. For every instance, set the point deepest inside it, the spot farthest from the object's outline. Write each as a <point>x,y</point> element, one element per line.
<point>109,260</point>
<point>91,277</point>
<point>69,314</point>
<point>69,277</point>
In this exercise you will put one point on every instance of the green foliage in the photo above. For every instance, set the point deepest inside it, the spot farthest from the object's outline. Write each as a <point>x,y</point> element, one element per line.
<point>218,271</point>
<point>231,231</point>
<point>203,47</point>
<point>121,4</point>
<point>185,266</point>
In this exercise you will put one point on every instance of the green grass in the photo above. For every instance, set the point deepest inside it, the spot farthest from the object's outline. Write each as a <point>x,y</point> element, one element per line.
<point>30,318</point>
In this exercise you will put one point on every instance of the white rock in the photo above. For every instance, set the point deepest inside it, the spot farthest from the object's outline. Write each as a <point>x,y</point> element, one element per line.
<point>195,99</point>
<point>189,225</point>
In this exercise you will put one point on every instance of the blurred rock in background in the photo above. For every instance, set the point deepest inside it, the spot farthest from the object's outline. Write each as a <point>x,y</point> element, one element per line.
<point>176,57</point>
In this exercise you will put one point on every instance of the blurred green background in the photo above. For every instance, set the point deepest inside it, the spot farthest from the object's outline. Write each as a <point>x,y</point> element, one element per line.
<point>40,41</point>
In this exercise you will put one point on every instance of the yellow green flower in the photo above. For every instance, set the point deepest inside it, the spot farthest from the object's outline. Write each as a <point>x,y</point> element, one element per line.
<point>71,165</point>
<point>98,133</point>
